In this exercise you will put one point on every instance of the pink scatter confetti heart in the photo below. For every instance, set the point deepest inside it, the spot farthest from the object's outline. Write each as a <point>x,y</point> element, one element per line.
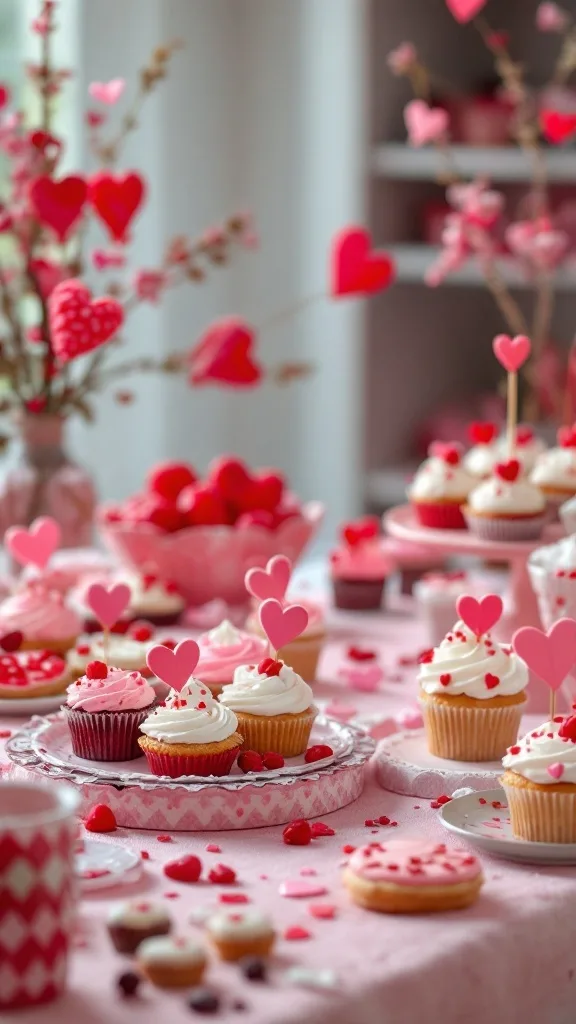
<point>296,932</point>
<point>357,269</point>
<point>174,667</point>
<point>511,353</point>
<point>272,581</point>
<point>323,911</point>
<point>480,616</point>
<point>108,603</point>
<point>282,625</point>
<point>107,92</point>
<point>465,10</point>
<point>301,890</point>
<point>343,712</point>
<point>423,123</point>
<point>556,771</point>
<point>549,655</point>
<point>35,545</point>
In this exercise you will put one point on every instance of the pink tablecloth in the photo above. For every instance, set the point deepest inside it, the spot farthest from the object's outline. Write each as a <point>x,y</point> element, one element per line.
<point>511,959</point>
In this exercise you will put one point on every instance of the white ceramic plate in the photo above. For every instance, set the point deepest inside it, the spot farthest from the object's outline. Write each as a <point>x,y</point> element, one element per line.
<point>100,865</point>
<point>28,706</point>
<point>488,829</point>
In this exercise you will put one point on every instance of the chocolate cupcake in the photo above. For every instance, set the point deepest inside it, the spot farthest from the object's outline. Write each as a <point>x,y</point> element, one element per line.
<point>130,923</point>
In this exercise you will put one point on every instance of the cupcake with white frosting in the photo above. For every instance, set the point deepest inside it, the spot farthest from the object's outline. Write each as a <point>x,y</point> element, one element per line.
<point>274,706</point>
<point>506,506</point>
<point>552,571</point>
<point>555,470</point>
<point>484,453</point>
<point>223,650</point>
<point>440,488</point>
<point>472,694</point>
<point>118,649</point>
<point>540,782</point>
<point>189,733</point>
<point>235,934</point>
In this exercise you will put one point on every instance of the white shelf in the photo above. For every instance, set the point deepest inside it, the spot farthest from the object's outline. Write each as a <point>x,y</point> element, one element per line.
<point>413,260</point>
<point>498,163</point>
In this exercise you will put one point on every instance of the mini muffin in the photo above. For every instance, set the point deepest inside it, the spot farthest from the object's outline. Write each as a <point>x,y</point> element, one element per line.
<point>27,674</point>
<point>555,470</point>
<point>104,710</point>
<point>223,649</point>
<point>360,566</point>
<point>485,452</point>
<point>123,651</point>
<point>412,876</point>
<point>274,706</point>
<point>235,934</point>
<point>506,507</point>
<point>172,962</point>
<point>131,923</point>
<point>42,617</point>
<point>303,653</point>
<point>440,488</point>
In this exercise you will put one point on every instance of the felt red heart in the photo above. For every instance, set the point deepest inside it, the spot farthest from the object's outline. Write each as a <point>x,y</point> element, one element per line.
<point>224,355</point>
<point>58,204</point>
<point>508,470</point>
<point>354,268</point>
<point>186,869</point>
<point>482,433</point>
<point>297,833</point>
<point>100,819</point>
<point>116,199</point>
<point>79,323</point>
<point>360,530</point>
<point>557,127</point>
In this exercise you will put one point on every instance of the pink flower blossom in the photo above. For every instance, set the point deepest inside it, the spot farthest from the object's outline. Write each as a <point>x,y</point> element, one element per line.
<point>213,236</point>
<point>424,123</point>
<point>178,251</point>
<point>479,204</point>
<point>102,259</point>
<point>551,18</point>
<point>148,284</point>
<point>542,246</point>
<point>402,58</point>
<point>41,26</point>
<point>107,92</point>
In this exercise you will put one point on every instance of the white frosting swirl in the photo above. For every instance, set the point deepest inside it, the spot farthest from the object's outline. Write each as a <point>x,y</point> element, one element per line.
<point>542,749</point>
<point>172,951</point>
<point>255,693</point>
<point>225,635</point>
<point>481,459</point>
<point>518,497</point>
<point>561,555</point>
<point>242,924</point>
<point>119,650</point>
<point>468,666</point>
<point>191,716</point>
<point>437,479</point>
<point>527,454</point>
<point>152,598</point>
<point>556,468</point>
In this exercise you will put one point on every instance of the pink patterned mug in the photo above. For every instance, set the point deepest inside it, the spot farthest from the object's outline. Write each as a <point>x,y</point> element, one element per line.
<point>37,837</point>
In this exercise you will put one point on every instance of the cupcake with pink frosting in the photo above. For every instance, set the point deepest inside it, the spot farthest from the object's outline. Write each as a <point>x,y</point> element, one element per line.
<point>223,650</point>
<point>42,617</point>
<point>104,710</point>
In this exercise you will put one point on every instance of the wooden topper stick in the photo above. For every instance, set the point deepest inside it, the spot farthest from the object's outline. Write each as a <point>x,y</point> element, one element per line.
<point>105,644</point>
<point>552,705</point>
<point>512,413</point>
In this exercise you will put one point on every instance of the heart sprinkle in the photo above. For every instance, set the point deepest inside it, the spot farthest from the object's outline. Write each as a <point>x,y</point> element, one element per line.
<point>556,771</point>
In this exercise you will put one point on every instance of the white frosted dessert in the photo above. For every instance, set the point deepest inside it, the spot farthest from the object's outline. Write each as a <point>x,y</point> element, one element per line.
<point>527,448</point>
<point>506,506</point>
<point>442,477</point>
<point>190,716</point>
<point>464,665</point>
<point>484,453</point>
<point>118,649</point>
<point>555,470</point>
<point>540,782</point>
<point>552,571</point>
<point>256,691</point>
<point>131,923</point>
<point>547,754</point>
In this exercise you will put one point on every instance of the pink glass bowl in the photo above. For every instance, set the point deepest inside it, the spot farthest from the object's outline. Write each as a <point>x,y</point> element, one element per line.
<point>209,562</point>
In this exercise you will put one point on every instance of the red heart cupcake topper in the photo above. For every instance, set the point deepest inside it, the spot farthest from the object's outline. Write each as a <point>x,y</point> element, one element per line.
<point>567,437</point>
<point>450,452</point>
<point>550,656</point>
<point>511,353</point>
<point>116,198</point>
<point>482,433</point>
<point>35,545</point>
<point>479,615</point>
<point>108,603</point>
<point>356,269</point>
<point>282,625</point>
<point>556,126</point>
<point>174,667</point>
<point>360,530</point>
<point>508,470</point>
<point>524,435</point>
<point>272,581</point>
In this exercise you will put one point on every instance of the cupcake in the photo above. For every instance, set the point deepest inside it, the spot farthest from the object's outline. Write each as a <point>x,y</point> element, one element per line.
<point>360,566</point>
<point>172,962</point>
<point>527,448</point>
<point>540,782</point>
<point>104,709</point>
<point>26,674</point>
<point>480,460</point>
<point>235,934</point>
<point>153,599</point>
<point>440,488</point>
<point>303,653</point>
<point>123,651</point>
<point>412,876</point>
<point>42,617</point>
<point>555,470</point>
<point>190,733</point>
<point>411,561</point>
<point>506,507</point>
<point>274,707</point>
<point>552,571</point>
<point>223,650</point>
<point>472,694</point>
<point>131,923</point>
<point>436,595</point>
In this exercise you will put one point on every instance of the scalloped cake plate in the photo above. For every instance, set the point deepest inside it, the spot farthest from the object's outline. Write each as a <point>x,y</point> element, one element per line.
<point>488,829</point>
<point>99,865</point>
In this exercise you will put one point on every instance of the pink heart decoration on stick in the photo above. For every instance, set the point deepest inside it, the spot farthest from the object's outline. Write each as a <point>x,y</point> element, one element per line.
<point>511,353</point>
<point>108,603</point>
<point>272,581</point>
<point>465,10</point>
<point>551,655</point>
<point>174,667</point>
<point>35,545</point>
<point>479,616</point>
<point>282,625</point>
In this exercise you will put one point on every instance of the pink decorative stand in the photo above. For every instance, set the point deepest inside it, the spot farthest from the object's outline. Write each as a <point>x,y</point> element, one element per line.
<point>404,765</point>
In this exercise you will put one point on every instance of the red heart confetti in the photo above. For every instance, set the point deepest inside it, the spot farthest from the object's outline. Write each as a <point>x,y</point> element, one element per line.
<point>319,828</point>
<point>186,869</point>
<point>297,833</point>
<point>318,753</point>
<point>233,897</point>
<point>296,932</point>
<point>221,874</point>
<point>322,911</point>
<point>100,819</point>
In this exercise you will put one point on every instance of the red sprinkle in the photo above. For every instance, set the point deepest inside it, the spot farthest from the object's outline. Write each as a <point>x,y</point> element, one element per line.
<point>319,828</point>
<point>481,800</point>
<point>323,911</point>
<point>233,897</point>
<point>163,839</point>
<point>212,848</point>
<point>348,848</point>
<point>144,854</point>
<point>296,932</point>
<point>383,820</point>
<point>171,895</point>
<point>5,734</point>
<point>369,822</point>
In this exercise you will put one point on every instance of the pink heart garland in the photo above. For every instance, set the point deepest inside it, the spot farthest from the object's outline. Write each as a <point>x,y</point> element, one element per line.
<point>465,10</point>
<point>551,655</point>
<point>511,353</point>
<point>174,667</point>
<point>35,545</point>
<point>282,625</point>
<point>108,603</point>
<point>479,616</point>
<point>272,581</point>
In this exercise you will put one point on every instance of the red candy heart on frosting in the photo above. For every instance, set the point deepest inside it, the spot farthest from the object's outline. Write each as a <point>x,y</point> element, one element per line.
<point>450,453</point>
<point>508,470</point>
<point>482,433</point>
<point>186,869</point>
<point>524,435</point>
<point>491,681</point>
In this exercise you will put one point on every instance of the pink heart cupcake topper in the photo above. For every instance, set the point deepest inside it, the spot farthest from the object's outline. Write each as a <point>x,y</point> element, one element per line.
<point>272,581</point>
<point>550,656</point>
<point>108,603</point>
<point>511,353</point>
<point>479,616</point>
<point>36,545</point>
<point>282,625</point>
<point>174,667</point>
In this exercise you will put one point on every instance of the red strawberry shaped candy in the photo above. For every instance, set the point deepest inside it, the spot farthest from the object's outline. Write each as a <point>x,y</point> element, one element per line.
<point>508,470</point>
<point>271,760</point>
<point>318,753</point>
<point>250,761</point>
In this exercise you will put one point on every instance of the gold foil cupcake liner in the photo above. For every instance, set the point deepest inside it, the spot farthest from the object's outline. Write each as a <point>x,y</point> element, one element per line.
<point>470,734</point>
<point>541,816</point>
<point>284,734</point>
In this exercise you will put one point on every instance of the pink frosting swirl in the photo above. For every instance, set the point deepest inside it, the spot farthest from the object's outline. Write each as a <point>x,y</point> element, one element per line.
<point>119,691</point>
<point>39,614</point>
<point>367,561</point>
<point>223,649</point>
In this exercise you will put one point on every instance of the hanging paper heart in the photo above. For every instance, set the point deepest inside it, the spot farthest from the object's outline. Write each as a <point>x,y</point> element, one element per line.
<point>557,127</point>
<point>79,323</point>
<point>223,355</point>
<point>550,656</point>
<point>356,269</point>
<point>108,603</point>
<point>423,123</point>
<point>34,546</point>
<point>465,10</point>
<point>479,616</point>
<point>116,198</point>
<point>272,581</point>
<point>107,92</point>
<point>174,667</point>
<point>511,353</point>
<point>282,625</point>
<point>58,204</point>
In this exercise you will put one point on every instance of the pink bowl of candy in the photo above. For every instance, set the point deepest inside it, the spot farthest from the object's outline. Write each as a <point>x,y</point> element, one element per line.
<point>203,535</point>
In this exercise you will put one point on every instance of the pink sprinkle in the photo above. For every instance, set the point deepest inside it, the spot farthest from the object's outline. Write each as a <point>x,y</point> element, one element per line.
<point>296,932</point>
<point>323,911</point>
<point>212,848</point>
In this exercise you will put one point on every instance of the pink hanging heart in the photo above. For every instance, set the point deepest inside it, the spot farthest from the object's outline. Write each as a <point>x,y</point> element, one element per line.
<point>174,667</point>
<point>35,545</point>
<point>282,625</point>
<point>465,10</point>
<point>423,123</point>
<point>511,353</point>
<point>107,92</point>
<point>108,603</point>
<point>479,616</point>
<point>551,655</point>
<point>272,581</point>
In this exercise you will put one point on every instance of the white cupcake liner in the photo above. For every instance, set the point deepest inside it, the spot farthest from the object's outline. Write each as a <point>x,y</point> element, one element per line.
<point>505,529</point>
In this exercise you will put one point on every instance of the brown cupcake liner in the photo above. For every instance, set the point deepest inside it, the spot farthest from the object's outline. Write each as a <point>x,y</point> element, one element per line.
<point>286,735</point>
<point>106,735</point>
<point>470,733</point>
<point>357,595</point>
<point>541,816</point>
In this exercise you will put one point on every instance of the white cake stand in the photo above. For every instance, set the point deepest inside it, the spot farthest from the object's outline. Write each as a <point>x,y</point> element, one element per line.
<point>403,764</point>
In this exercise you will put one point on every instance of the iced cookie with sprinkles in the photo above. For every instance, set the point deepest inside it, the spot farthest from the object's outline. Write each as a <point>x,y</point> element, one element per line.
<point>243,933</point>
<point>412,876</point>
<point>172,962</point>
<point>131,923</point>
<point>28,674</point>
